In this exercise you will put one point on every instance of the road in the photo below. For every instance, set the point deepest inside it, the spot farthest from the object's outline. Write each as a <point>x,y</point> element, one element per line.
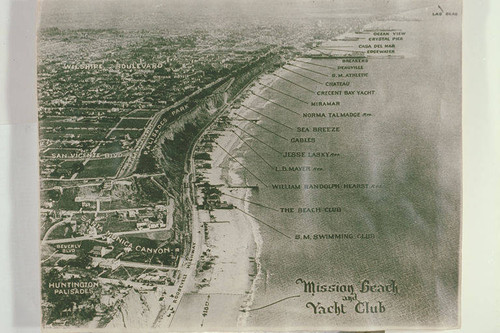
<point>144,265</point>
<point>130,163</point>
<point>132,264</point>
<point>187,267</point>
<point>93,211</point>
<point>90,237</point>
<point>52,227</point>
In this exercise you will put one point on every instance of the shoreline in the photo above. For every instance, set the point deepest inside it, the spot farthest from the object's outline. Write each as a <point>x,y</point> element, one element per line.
<point>231,172</point>
<point>230,267</point>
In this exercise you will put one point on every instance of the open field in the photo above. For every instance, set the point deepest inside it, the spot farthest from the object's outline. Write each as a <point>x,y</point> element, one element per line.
<point>121,134</point>
<point>101,168</point>
<point>143,113</point>
<point>132,123</point>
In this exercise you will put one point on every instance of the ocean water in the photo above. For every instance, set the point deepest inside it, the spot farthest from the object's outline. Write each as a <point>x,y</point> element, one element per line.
<point>410,146</point>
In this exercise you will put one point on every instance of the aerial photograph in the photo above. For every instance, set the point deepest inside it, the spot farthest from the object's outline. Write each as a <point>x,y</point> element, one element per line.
<point>229,165</point>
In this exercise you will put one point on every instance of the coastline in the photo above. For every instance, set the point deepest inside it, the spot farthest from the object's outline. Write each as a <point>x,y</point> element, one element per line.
<point>231,173</point>
<point>229,268</point>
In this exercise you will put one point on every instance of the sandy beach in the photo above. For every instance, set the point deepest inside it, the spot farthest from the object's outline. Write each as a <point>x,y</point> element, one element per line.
<point>229,267</point>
